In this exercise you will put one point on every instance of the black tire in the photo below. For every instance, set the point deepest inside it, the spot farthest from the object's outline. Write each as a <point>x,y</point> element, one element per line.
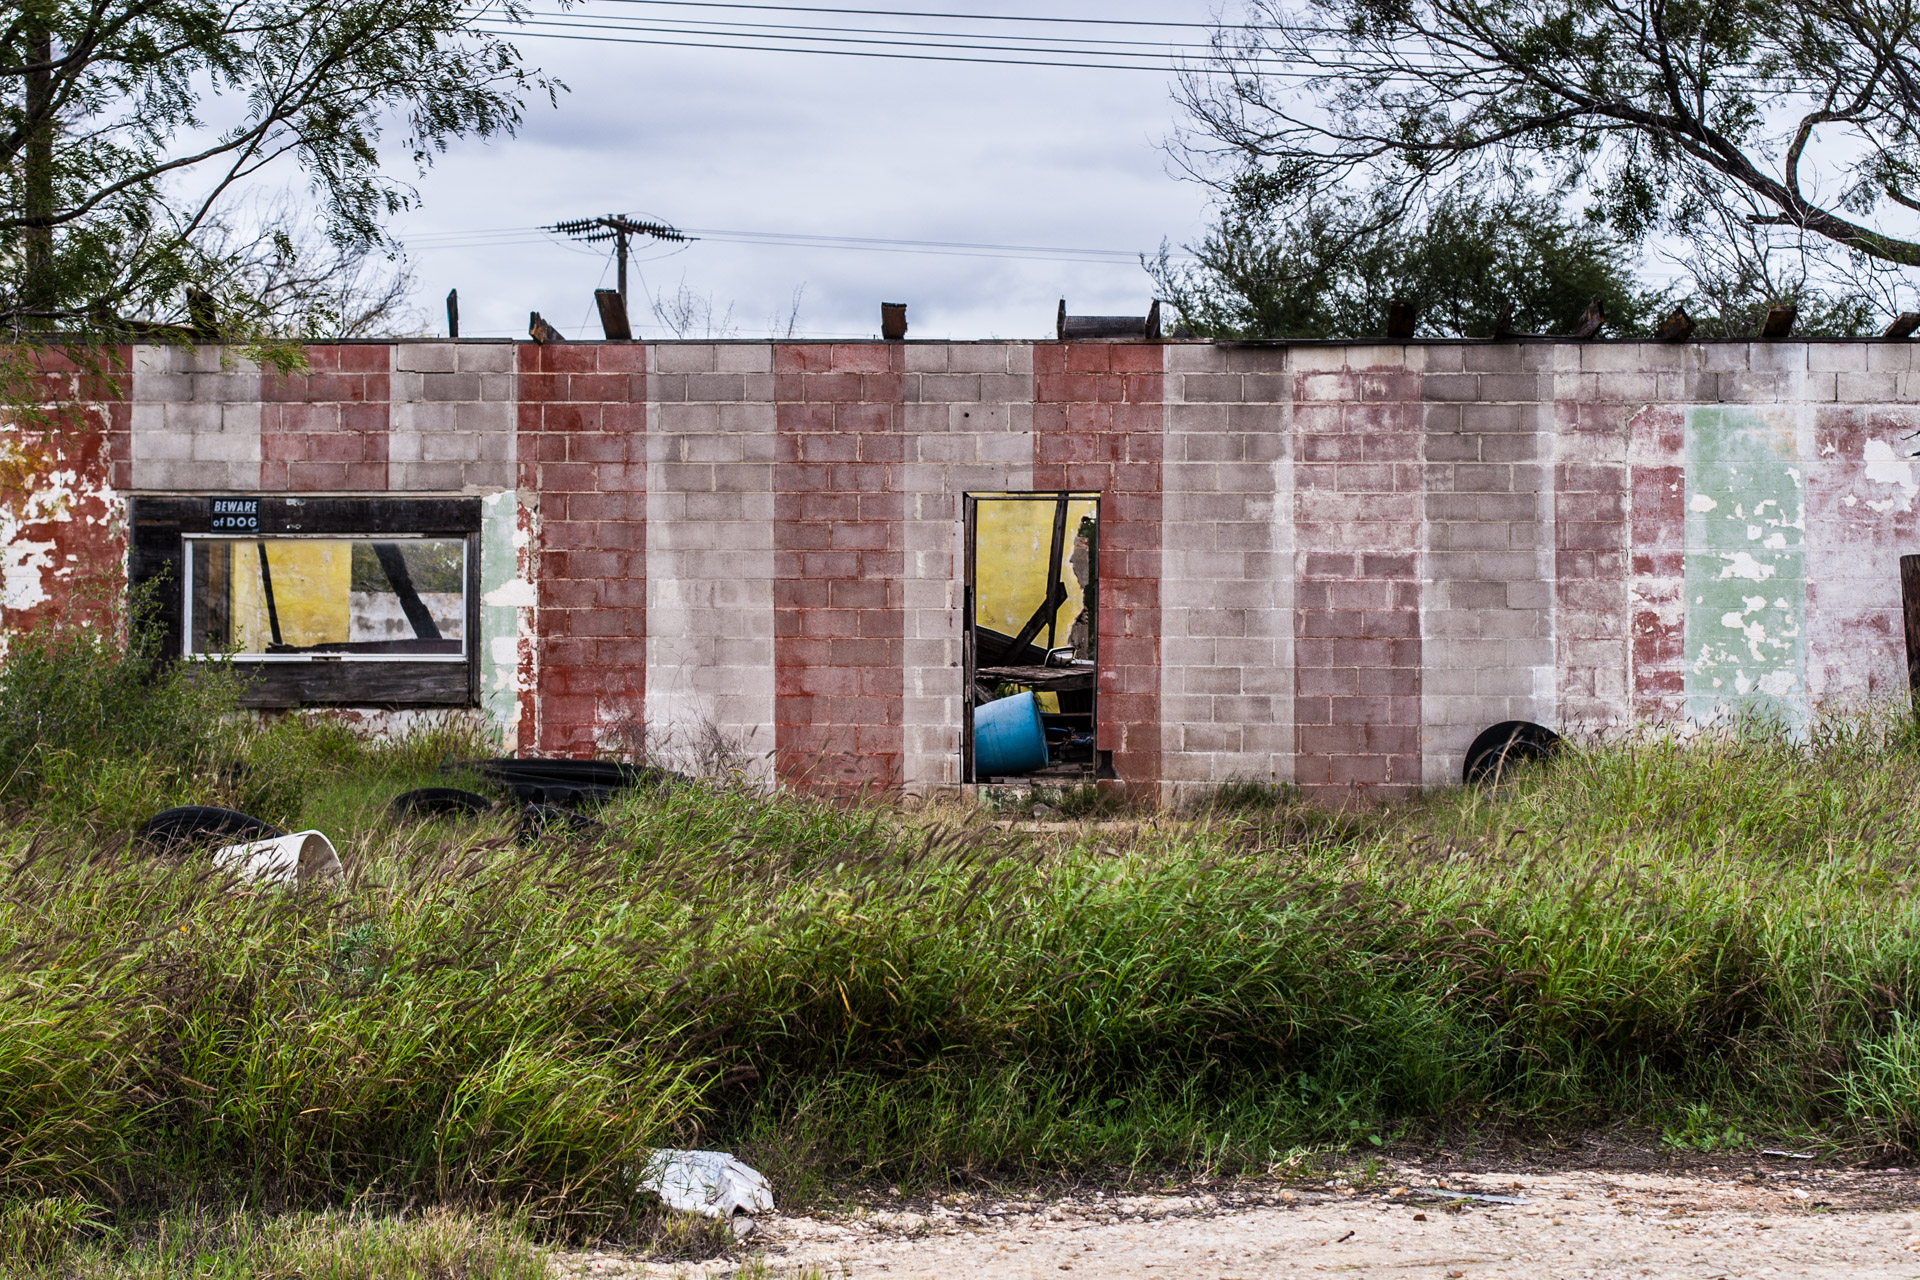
<point>1506,743</point>
<point>439,802</point>
<point>571,783</point>
<point>193,825</point>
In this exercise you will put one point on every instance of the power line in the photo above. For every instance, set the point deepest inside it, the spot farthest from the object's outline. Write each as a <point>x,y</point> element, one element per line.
<point>868,53</point>
<point>489,237</point>
<point>1164,51</point>
<point>866,242</point>
<point>964,17</point>
<point>1232,64</point>
<point>620,230</point>
<point>842,53</point>
<point>862,36</point>
<point>728,35</point>
<point>704,26</point>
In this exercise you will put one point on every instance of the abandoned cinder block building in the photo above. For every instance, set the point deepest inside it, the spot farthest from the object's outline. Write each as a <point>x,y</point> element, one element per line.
<point>1332,564</point>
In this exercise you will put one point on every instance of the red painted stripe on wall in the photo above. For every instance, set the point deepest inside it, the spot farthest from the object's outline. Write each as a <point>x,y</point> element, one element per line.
<point>325,430</point>
<point>1658,562</point>
<point>1592,618</point>
<point>1359,505</point>
<point>582,451</point>
<point>839,556</point>
<point>1099,424</point>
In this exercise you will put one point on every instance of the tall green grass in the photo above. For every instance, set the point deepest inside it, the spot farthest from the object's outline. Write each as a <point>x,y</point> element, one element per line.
<point>1713,937</point>
<point>847,991</point>
<point>98,732</point>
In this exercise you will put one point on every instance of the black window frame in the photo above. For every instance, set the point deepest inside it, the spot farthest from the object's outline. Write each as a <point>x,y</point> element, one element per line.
<point>157,550</point>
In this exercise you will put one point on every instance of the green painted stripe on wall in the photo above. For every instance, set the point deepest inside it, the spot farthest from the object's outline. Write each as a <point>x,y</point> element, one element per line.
<point>1745,565</point>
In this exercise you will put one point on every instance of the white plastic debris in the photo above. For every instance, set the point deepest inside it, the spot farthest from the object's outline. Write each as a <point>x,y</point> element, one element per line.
<point>290,859</point>
<point>708,1182</point>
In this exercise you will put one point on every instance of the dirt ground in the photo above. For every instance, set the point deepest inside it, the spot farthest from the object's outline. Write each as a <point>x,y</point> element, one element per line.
<point>1739,1220</point>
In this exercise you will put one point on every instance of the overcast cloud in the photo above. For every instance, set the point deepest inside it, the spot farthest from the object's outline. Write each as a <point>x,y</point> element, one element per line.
<point>817,145</point>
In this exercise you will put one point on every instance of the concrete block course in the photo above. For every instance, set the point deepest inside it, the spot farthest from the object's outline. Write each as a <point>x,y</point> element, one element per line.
<point>1320,563</point>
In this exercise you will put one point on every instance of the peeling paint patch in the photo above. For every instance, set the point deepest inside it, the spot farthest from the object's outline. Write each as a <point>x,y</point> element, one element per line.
<point>1745,526</point>
<point>526,561</point>
<point>62,526</point>
<point>506,595</point>
<point>23,568</point>
<point>1884,466</point>
<point>514,594</point>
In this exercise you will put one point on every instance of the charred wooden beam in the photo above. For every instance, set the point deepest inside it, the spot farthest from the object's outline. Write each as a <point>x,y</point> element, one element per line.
<point>1677,327</point>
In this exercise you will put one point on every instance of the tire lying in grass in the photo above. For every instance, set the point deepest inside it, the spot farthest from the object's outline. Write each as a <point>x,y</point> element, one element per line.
<point>439,802</point>
<point>571,783</point>
<point>193,825</point>
<point>1507,743</point>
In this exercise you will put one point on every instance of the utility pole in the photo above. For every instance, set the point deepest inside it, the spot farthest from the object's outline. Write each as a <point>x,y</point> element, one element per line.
<point>620,230</point>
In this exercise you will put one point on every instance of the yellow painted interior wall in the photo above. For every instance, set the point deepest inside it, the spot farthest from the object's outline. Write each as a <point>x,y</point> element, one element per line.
<point>1011,541</point>
<point>1012,538</point>
<point>311,584</point>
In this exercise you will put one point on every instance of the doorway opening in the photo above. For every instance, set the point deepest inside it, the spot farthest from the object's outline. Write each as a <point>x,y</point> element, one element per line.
<point>1031,629</point>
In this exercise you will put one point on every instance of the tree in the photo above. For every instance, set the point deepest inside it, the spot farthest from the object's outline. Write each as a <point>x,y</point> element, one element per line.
<point>292,281</point>
<point>686,313</point>
<point>1471,264</point>
<point>1804,115</point>
<point>128,126</point>
<point>1736,272</point>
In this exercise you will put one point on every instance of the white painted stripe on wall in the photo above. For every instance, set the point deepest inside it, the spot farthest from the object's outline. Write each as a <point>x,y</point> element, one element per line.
<point>195,421</point>
<point>710,561</point>
<point>1226,592</point>
<point>954,447</point>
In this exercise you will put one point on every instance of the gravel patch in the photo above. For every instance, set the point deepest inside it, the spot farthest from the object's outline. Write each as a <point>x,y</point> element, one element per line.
<point>1760,1222</point>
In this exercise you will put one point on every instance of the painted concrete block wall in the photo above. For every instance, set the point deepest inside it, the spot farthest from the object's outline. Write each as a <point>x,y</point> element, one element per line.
<point>63,475</point>
<point>1331,564</point>
<point>1227,646</point>
<point>967,425</point>
<point>453,417</point>
<point>582,460</point>
<point>710,448</point>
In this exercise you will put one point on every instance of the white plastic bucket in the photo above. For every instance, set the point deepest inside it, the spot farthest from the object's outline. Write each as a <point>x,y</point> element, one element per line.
<point>289,859</point>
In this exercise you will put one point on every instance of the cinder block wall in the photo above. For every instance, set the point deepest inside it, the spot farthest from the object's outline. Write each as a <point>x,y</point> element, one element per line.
<point>1321,563</point>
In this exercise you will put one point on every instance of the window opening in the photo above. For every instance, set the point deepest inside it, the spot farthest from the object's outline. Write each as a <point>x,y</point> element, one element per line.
<point>305,598</point>
<point>1031,634</point>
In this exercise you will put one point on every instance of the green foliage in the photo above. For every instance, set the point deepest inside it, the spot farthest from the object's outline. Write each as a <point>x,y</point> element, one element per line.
<point>109,173</point>
<point>1248,795</point>
<point>1797,117</point>
<point>1697,1128</point>
<point>1471,264</point>
<point>438,565</point>
<point>98,732</point>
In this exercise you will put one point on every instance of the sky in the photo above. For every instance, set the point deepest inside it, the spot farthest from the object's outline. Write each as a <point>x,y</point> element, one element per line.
<point>728,140</point>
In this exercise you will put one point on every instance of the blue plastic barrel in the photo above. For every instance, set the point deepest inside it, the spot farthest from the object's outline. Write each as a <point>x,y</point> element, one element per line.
<point>1008,738</point>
